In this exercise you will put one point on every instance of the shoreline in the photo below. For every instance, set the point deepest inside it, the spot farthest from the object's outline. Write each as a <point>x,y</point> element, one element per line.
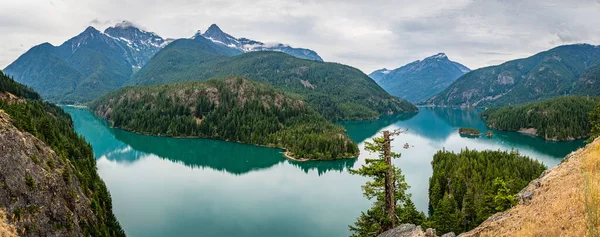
<point>286,153</point>
<point>529,132</point>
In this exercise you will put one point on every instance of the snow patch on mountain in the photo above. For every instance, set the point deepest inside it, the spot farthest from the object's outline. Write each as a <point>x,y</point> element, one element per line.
<point>216,35</point>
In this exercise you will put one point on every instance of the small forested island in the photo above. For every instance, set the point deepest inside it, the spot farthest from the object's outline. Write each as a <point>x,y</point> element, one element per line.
<point>487,183</point>
<point>232,109</point>
<point>48,180</point>
<point>559,119</point>
<point>469,132</point>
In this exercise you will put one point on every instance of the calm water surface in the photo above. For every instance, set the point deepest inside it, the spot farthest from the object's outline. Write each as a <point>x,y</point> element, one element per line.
<point>197,187</point>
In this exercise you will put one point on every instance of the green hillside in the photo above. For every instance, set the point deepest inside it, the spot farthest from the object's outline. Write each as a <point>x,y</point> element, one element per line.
<point>337,91</point>
<point>564,70</point>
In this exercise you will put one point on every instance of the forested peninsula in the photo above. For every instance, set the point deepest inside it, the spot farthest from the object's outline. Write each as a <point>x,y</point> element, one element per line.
<point>559,119</point>
<point>232,109</point>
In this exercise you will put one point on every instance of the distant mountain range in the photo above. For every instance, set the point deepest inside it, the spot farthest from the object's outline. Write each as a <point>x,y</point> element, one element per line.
<point>564,70</point>
<point>419,80</point>
<point>93,63</point>
<point>87,65</point>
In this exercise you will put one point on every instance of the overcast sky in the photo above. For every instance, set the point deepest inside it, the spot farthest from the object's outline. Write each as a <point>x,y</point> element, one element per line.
<point>367,34</point>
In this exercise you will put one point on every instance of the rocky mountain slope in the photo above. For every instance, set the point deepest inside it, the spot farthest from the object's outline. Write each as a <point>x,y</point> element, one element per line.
<point>48,180</point>
<point>337,91</point>
<point>564,70</point>
<point>419,80</point>
<point>215,34</point>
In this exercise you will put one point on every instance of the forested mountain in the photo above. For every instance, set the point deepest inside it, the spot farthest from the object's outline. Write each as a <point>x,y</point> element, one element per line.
<point>419,80</point>
<point>232,109</point>
<point>49,184</point>
<point>94,63</point>
<point>215,34</point>
<point>564,70</point>
<point>337,91</point>
<point>467,188</point>
<point>564,118</point>
<point>87,65</point>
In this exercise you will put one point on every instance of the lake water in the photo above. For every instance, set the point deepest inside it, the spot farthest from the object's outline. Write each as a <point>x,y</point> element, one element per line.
<point>197,187</point>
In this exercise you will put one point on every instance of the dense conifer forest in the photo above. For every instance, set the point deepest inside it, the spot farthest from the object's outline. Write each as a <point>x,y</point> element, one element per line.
<point>232,109</point>
<point>467,188</point>
<point>564,118</point>
<point>54,127</point>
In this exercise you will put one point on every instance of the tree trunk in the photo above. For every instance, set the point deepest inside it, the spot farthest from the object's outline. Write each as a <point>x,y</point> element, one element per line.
<point>390,203</point>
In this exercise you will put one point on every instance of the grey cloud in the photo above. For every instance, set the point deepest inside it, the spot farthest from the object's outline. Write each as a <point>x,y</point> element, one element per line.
<point>364,34</point>
<point>97,21</point>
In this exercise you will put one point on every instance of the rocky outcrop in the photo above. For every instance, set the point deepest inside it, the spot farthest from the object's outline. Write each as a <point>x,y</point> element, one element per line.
<point>39,190</point>
<point>6,230</point>
<point>404,230</point>
<point>411,230</point>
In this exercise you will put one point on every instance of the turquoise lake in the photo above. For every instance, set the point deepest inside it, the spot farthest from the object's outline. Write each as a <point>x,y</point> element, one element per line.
<point>197,187</point>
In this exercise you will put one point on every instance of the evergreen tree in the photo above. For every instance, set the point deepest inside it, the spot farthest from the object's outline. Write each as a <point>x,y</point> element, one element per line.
<point>446,217</point>
<point>595,123</point>
<point>379,219</point>
<point>503,199</point>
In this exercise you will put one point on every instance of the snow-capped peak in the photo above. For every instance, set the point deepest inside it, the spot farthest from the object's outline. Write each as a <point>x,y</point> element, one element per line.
<point>214,29</point>
<point>439,56</point>
<point>216,35</point>
<point>125,24</point>
<point>90,29</point>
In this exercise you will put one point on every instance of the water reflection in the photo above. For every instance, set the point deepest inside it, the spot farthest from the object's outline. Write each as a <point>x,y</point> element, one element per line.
<point>360,131</point>
<point>126,147</point>
<point>197,187</point>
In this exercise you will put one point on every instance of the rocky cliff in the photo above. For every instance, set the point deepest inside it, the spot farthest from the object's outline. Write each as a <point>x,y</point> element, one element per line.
<point>39,190</point>
<point>49,185</point>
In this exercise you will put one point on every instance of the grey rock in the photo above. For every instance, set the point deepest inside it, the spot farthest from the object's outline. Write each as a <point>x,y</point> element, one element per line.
<point>47,201</point>
<point>451,234</point>
<point>430,232</point>
<point>404,230</point>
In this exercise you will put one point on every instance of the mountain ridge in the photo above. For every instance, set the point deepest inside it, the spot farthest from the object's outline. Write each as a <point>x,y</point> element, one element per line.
<point>556,72</point>
<point>92,63</point>
<point>338,92</point>
<point>86,65</point>
<point>421,79</point>
<point>215,34</point>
